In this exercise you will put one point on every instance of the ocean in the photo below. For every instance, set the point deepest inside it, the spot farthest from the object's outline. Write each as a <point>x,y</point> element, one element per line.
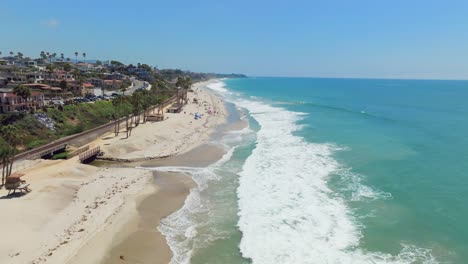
<point>332,171</point>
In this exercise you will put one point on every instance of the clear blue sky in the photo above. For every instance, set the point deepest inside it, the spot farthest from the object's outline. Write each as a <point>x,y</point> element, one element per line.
<point>373,38</point>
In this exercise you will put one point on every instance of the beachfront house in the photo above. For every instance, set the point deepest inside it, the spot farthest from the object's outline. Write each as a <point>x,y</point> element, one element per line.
<point>10,102</point>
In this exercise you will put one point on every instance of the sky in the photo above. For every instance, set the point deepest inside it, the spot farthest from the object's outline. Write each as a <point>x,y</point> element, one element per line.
<point>359,39</point>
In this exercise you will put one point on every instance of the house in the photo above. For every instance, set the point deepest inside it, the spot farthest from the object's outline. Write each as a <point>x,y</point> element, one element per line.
<point>25,77</point>
<point>17,78</point>
<point>87,88</point>
<point>36,77</point>
<point>84,66</point>
<point>97,91</point>
<point>114,76</point>
<point>95,81</point>
<point>30,63</point>
<point>47,90</point>
<point>140,72</point>
<point>112,84</point>
<point>3,82</point>
<point>10,102</point>
<point>61,75</point>
<point>81,89</point>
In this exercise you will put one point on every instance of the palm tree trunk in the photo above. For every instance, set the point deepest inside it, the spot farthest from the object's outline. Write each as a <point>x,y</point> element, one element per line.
<point>116,121</point>
<point>12,159</point>
<point>4,165</point>
<point>126,124</point>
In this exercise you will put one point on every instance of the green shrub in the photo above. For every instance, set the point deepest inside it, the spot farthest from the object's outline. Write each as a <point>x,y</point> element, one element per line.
<point>62,155</point>
<point>36,143</point>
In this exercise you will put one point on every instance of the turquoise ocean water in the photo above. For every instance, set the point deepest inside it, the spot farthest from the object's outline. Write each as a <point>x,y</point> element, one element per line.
<point>333,171</point>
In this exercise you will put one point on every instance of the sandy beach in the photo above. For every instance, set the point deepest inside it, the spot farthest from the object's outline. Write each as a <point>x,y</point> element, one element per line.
<point>75,209</point>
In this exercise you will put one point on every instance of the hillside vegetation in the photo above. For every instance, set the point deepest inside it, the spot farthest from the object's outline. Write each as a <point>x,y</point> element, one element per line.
<point>76,118</point>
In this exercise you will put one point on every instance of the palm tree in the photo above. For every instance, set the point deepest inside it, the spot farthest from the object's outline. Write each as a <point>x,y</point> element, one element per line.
<point>184,83</point>
<point>116,102</point>
<point>62,56</point>
<point>67,67</point>
<point>179,82</point>
<point>122,109</point>
<point>5,151</point>
<point>145,103</point>
<point>84,57</point>
<point>68,59</point>
<point>0,53</point>
<point>50,69</point>
<point>19,55</point>
<point>23,92</point>
<point>12,137</point>
<point>76,57</point>
<point>137,102</point>
<point>11,53</point>
<point>124,86</point>
<point>76,73</point>
<point>179,85</point>
<point>187,86</point>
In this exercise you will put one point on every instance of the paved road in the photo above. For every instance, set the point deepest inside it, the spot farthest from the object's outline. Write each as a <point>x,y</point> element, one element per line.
<point>136,84</point>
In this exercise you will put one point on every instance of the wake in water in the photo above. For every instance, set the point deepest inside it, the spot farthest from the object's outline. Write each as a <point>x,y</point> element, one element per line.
<point>287,212</point>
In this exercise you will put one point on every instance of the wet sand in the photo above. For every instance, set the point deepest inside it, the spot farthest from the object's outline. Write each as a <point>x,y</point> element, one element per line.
<point>141,241</point>
<point>200,156</point>
<point>146,244</point>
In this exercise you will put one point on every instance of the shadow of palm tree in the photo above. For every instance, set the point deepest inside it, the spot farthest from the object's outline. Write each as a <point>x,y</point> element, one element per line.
<point>13,195</point>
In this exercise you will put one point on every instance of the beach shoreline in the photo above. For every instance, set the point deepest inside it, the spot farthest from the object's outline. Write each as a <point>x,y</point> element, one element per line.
<point>75,208</point>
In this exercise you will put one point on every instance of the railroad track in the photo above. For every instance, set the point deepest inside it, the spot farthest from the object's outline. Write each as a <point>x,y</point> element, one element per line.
<point>63,142</point>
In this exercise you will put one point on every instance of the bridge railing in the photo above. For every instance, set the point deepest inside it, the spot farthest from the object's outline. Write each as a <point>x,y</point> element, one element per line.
<point>88,154</point>
<point>77,152</point>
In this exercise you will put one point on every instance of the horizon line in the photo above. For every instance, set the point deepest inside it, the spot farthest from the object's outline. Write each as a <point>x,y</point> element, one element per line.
<point>361,78</point>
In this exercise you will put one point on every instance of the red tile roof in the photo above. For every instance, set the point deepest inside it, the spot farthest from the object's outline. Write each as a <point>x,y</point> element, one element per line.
<point>112,81</point>
<point>11,94</point>
<point>38,85</point>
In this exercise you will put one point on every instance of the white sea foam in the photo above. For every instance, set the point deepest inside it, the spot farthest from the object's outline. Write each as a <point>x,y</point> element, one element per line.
<point>287,212</point>
<point>181,227</point>
<point>355,190</point>
<point>218,87</point>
